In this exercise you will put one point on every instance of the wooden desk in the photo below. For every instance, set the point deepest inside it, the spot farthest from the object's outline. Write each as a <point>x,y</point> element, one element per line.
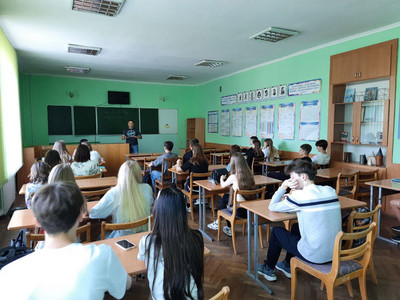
<point>180,175</point>
<point>332,173</point>
<point>273,164</point>
<point>88,184</point>
<point>128,258</point>
<point>132,155</point>
<point>392,188</point>
<point>260,208</point>
<point>221,155</point>
<point>212,188</point>
<point>24,218</point>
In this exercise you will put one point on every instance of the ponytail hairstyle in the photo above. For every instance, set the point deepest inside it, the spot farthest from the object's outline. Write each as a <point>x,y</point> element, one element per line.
<point>182,248</point>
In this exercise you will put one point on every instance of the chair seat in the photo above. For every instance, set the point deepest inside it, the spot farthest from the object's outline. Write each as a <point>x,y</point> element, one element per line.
<point>344,192</point>
<point>363,190</point>
<point>228,213</point>
<point>346,267</point>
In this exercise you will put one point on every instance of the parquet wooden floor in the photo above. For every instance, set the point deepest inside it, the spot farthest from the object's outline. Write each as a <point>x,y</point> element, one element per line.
<point>223,267</point>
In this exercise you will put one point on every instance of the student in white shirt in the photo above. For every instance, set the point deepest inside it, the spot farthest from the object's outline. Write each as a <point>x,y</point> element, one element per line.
<point>94,155</point>
<point>322,158</point>
<point>83,166</point>
<point>64,269</point>
<point>173,252</point>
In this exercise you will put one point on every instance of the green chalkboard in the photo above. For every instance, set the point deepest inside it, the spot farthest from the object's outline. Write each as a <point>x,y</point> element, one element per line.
<point>84,120</point>
<point>59,120</point>
<point>112,120</point>
<point>149,120</point>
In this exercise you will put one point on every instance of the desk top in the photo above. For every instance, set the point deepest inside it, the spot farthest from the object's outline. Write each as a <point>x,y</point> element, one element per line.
<point>332,173</point>
<point>24,218</point>
<point>385,184</point>
<point>282,163</point>
<point>219,154</point>
<point>144,158</point>
<point>260,207</point>
<point>128,258</point>
<point>91,183</point>
<point>210,168</point>
<point>132,155</point>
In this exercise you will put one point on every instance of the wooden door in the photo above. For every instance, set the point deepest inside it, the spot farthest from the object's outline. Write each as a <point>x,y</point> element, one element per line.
<point>375,61</point>
<point>344,67</point>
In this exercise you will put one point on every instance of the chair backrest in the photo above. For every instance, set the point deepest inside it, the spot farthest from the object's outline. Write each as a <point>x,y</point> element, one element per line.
<point>85,229</point>
<point>167,164</point>
<point>255,162</point>
<point>361,254</point>
<point>88,177</point>
<point>222,294</point>
<point>247,193</point>
<point>122,226</point>
<point>95,194</point>
<point>193,176</point>
<point>365,176</point>
<point>348,181</point>
<point>358,226</point>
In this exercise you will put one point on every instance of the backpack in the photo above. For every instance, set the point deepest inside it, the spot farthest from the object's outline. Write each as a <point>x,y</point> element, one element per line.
<point>16,250</point>
<point>345,220</point>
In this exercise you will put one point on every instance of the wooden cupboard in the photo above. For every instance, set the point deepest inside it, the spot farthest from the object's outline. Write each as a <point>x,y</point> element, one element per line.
<point>195,128</point>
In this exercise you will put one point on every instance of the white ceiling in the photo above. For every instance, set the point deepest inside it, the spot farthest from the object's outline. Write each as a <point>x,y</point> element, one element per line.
<point>151,39</point>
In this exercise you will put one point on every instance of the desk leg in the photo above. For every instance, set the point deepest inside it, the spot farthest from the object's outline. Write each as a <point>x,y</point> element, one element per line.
<point>371,197</point>
<point>379,218</point>
<point>249,243</point>
<point>202,213</point>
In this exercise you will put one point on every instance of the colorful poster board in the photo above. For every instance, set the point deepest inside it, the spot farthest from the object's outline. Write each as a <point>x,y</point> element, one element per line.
<point>286,119</point>
<point>213,121</point>
<point>267,117</point>
<point>310,115</point>
<point>237,122</point>
<point>304,87</point>
<point>250,123</point>
<point>225,122</point>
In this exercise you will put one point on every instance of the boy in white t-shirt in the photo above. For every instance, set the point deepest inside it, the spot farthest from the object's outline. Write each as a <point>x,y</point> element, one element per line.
<point>322,158</point>
<point>64,269</point>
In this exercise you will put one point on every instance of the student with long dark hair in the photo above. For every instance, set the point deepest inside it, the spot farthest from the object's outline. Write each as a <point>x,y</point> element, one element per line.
<point>52,158</point>
<point>173,252</point>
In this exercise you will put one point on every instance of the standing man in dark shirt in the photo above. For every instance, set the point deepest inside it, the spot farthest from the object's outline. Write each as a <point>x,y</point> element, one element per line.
<point>131,135</point>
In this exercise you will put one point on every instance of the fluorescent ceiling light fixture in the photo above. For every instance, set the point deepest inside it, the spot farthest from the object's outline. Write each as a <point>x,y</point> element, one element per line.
<point>210,63</point>
<point>78,49</point>
<point>177,77</point>
<point>102,7</point>
<point>79,70</point>
<point>273,34</point>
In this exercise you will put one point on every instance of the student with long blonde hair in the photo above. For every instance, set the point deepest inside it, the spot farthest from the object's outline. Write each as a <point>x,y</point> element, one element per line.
<point>60,147</point>
<point>241,178</point>
<point>61,173</point>
<point>128,201</point>
<point>270,152</point>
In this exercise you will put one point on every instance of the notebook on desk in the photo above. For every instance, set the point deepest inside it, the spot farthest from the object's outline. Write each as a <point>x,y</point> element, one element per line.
<point>396,180</point>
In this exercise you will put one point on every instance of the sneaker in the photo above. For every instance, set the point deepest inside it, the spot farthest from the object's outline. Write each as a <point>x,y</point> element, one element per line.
<point>227,230</point>
<point>283,268</point>
<point>267,272</point>
<point>396,239</point>
<point>213,225</point>
<point>198,202</point>
<point>396,228</point>
<point>188,208</point>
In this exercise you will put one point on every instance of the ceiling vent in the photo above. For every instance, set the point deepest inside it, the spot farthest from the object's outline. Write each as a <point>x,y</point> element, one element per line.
<point>79,70</point>
<point>78,49</point>
<point>273,34</point>
<point>102,7</point>
<point>177,77</point>
<point>210,63</point>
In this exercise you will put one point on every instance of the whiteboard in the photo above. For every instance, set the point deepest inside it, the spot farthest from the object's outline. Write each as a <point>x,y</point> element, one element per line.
<point>168,121</point>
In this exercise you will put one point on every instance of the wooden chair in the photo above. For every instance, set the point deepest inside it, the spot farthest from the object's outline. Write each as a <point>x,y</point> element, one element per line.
<point>194,191</point>
<point>222,295</point>
<point>346,264</point>
<point>363,177</point>
<point>122,226</point>
<point>166,176</point>
<point>231,216</point>
<point>88,177</point>
<point>95,194</point>
<point>33,238</point>
<point>346,184</point>
<point>256,163</point>
<point>351,228</point>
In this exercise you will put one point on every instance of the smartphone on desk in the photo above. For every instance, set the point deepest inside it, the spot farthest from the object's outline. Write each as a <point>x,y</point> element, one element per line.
<point>125,244</point>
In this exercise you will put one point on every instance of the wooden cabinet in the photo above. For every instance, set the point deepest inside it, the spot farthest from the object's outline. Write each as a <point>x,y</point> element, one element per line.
<point>362,64</point>
<point>195,128</point>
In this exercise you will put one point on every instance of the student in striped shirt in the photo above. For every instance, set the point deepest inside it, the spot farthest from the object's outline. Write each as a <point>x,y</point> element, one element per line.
<point>319,221</point>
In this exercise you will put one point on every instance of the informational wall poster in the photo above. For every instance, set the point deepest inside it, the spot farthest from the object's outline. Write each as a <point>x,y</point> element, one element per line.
<point>213,121</point>
<point>267,121</point>
<point>286,118</point>
<point>266,93</point>
<point>250,121</point>
<point>282,91</point>
<point>304,87</point>
<point>310,117</point>
<point>274,92</point>
<point>225,122</point>
<point>240,97</point>
<point>237,122</point>
<point>252,96</point>
<point>227,100</point>
<point>259,95</point>
<point>245,96</point>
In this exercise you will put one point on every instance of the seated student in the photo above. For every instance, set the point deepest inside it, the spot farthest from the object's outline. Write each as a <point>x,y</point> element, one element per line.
<point>322,158</point>
<point>155,174</point>
<point>255,152</point>
<point>62,173</point>
<point>270,152</point>
<point>80,143</point>
<point>94,155</point>
<point>173,252</point>
<point>304,151</point>
<point>60,147</point>
<point>241,178</point>
<point>188,155</point>
<point>39,175</point>
<point>319,220</point>
<point>395,205</point>
<point>234,149</point>
<point>128,201</point>
<point>64,269</point>
<point>52,158</point>
<point>82,165</point>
